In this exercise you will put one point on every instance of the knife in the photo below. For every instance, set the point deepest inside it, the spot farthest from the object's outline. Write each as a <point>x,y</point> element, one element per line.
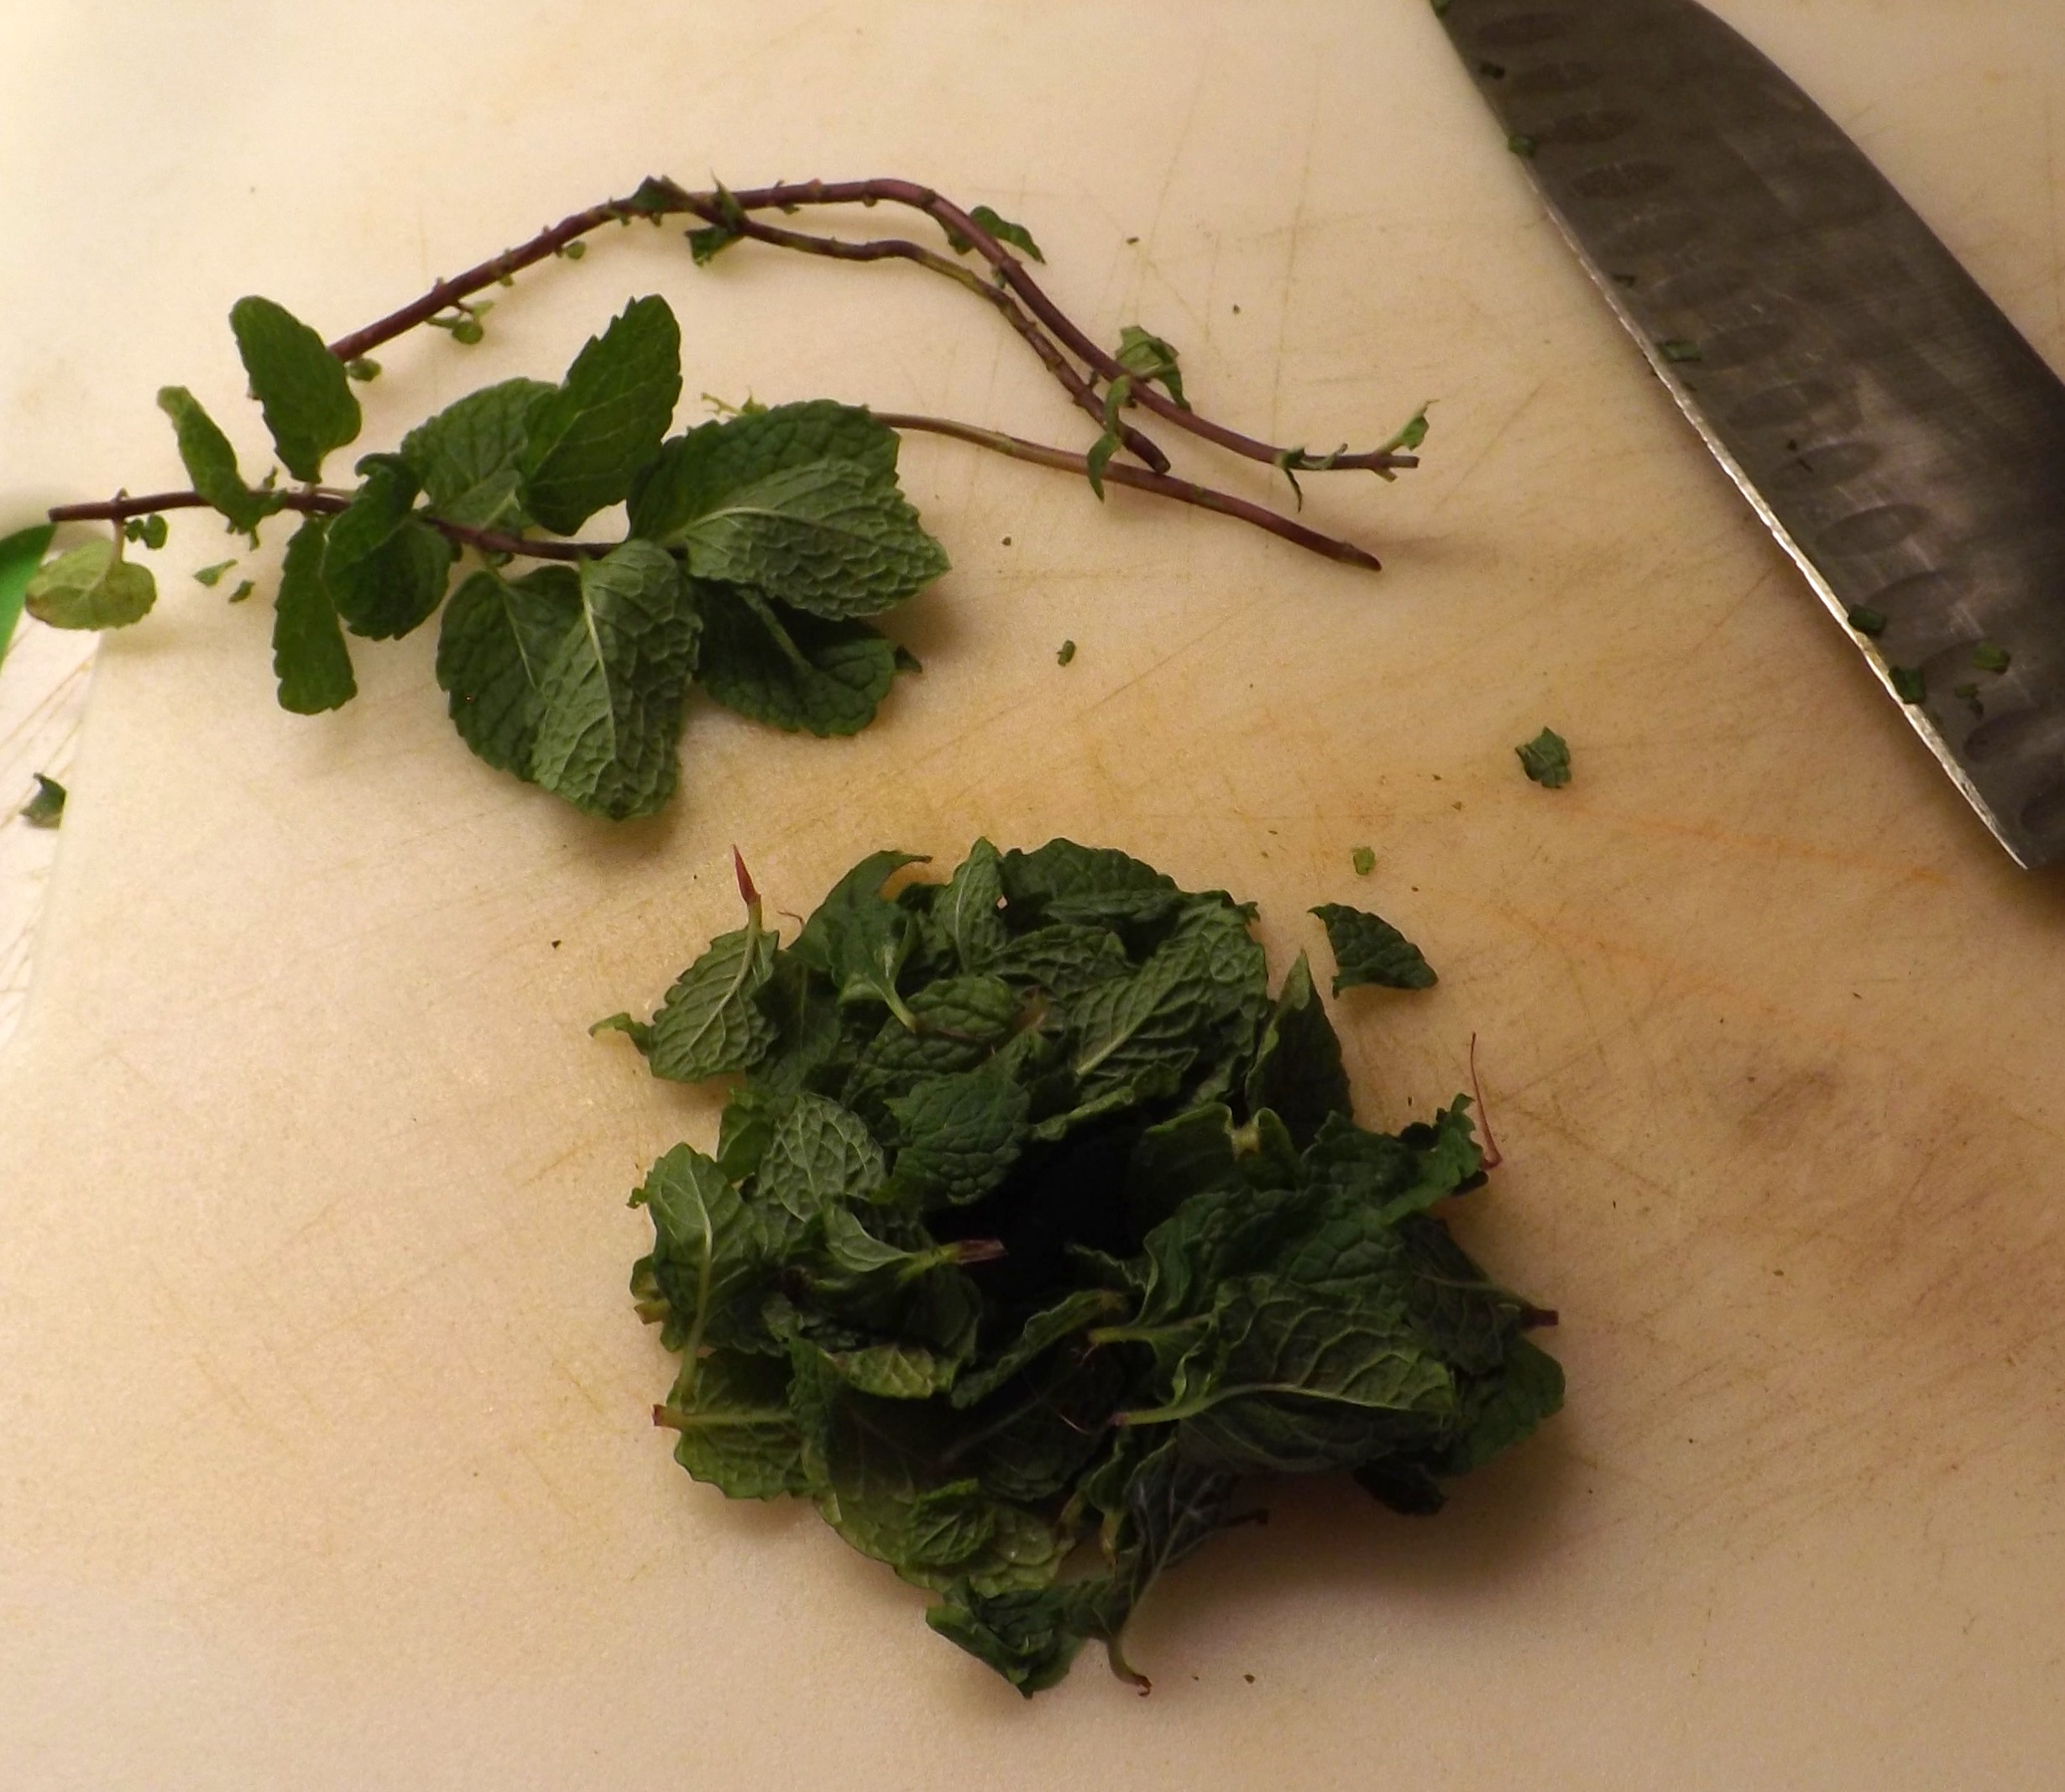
<point>1897,433</point>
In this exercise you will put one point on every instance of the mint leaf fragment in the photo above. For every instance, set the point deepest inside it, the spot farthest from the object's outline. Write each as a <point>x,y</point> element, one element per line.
<point>310,659</point>
<point>788,668</point>
<point>20,555</point>
<point>210,464</point>
<point>609,699</point>
<point>1142,352</point>
<point>1546,760</point>
<point>299,385</point>
<point>386,567</point>
<point>1065,654</point>
<point>587,439</point>
<point>213,576</point>
<point>1987,657</point>
<point>1364,859</point>
<point>1017,235</point>
<point>46,808</point>
<point>468,458</point>
<point>1909,685</point>
<point>1868,621</point>
<point>92,587</point>
<point>1368,949</point>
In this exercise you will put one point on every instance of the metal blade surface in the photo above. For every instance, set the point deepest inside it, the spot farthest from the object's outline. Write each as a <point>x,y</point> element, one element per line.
<point>1900,437</point>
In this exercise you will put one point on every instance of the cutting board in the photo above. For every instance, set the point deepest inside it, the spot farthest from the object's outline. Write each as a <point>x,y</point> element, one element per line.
<point>326,1460</point>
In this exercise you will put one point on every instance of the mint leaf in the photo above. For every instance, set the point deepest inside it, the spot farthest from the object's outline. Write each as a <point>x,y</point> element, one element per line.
<point>386,569</point>
<point>1142,352</point>
<point>737,1430</point>
<point>710,1022</point>
<point>693,471</point>
<point>301,386</point>
<point>960,1136</point>
<point>1298,1073</point>
<point>965,912</point>
<point>496,639</point>
<point>1364,859</point>
<point>587,439</point>
<point>799,501</point>
<point>309,659</point>
<point>1368,949</point>
<point>20,555</point>
<point>788,668</point>
<point>468,458</point>
<point>833,538</point>
<point>707,1251</point>
<point>609,700</point>
<point>210,464</point>
<point>213,576</point>
<point>91,587</point>
<point>1546,758</point>
<point>46,808</point>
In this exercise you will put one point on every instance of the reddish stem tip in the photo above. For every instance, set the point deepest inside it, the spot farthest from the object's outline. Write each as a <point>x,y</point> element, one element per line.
<point>1492,1157</point>
<point>747,894</point>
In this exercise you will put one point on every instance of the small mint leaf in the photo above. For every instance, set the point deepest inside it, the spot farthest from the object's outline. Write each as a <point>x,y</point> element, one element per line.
<point>46,808</point>
<point>1546,758</point>
<point>309,659</point>
<point>90,587</point>
<point>211,464</point>
<point>386,567</point>
<point>1017,235</point>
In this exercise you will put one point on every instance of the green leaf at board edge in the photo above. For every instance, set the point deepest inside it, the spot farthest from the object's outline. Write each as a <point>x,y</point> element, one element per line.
<point>20,554</point>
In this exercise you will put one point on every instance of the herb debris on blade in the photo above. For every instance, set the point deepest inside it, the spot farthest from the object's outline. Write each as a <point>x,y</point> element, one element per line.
<point>1036,1224</point>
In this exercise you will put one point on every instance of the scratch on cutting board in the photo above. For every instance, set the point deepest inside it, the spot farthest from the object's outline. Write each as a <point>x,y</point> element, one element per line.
<point>1290,265</point>
<point>1495,439</point>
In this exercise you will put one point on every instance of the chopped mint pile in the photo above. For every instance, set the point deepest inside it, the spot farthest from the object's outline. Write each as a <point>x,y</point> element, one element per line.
<point>1036,1224</point>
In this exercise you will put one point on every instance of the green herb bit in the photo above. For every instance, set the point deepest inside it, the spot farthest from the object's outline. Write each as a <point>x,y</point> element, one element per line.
<point>1522,144</point>
<point>1868,621</point>
<point>1066,653</point>
<point>244,588</point>
<point>1546,758</point>
<point>1364,859</point>
<point>364,368</point>
<point>213,576</point>
<point>46,808</point>
<point>1908,683</point>
<point>1970,695</point>
<point>1676,349</point>
<point>1986,657</point>
<point>151,530</point>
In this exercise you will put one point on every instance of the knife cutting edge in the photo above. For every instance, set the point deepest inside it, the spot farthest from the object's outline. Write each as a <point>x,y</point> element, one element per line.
<point>1900,438</point>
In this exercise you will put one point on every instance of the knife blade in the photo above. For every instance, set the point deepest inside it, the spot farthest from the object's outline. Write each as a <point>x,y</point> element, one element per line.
<point>1894,430</point>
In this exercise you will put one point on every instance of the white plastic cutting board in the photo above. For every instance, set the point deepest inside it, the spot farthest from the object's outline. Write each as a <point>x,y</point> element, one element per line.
<point>324,1458</point>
